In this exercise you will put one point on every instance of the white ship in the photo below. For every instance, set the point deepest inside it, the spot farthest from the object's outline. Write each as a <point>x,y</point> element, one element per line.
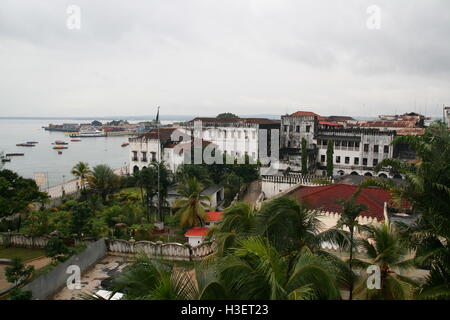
<point>88,132</point>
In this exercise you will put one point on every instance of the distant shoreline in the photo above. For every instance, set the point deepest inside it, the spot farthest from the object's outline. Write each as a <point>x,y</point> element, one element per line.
<point>169,117</point>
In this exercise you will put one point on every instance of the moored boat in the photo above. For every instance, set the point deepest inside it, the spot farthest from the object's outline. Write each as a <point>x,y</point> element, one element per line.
<point>88,132</point>
<point>60,147</point>
<point>32,142</point>
<point>59,142</point>
<point>75,139</point>
<point>14,154</point>
<point>25,145</point>
<point>124,144</point>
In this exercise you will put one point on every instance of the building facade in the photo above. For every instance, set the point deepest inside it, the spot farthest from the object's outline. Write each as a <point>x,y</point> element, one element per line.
<point>237,137</point>
<point>157,145</point>
<point>356,150</point>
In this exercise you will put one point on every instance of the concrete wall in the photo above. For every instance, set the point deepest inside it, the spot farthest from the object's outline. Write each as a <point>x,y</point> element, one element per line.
<point>274,185</point>
<point>47,284</point>
<point>23,240</point>
<point>167,251</point>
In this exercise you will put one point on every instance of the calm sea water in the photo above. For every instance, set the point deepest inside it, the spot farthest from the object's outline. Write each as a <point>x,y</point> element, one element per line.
<point>42,158</point>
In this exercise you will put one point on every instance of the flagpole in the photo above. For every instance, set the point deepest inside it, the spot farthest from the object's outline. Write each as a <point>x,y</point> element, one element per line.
<point>159,163</point>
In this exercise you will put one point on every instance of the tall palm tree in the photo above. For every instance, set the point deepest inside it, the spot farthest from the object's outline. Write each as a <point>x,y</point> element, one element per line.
<point>349,219</point>
<point>384,248</point>
<point>147,179</point>
<point>290,225</point>
<point>427,190</point>
<point>238,221</point>
<point>153,280</point>
<point>165,180</point>
<point>103,180</point>
<point>191,208</point>
<point>81,170</point>
<point>256,270</point>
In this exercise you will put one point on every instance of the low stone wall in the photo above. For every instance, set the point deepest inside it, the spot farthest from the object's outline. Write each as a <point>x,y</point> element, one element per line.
<point>20,240</point>
<point>23,241</point>
<point>274,185</point>
<point>46,285</point>
<point>160,250</point>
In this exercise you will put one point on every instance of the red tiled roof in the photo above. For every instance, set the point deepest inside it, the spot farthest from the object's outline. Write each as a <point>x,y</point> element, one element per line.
<point>164,134</point>
<point>410,131</point>
<point>214,216</point>
<point>388,124</point>
<point>325,197</point>
<point>234,120</point>
<point>307,114</point>
<point>189,144</point>
<point>329,123</point>
<point>196,232</point>
<point>259,120</point>
<point>218,120</point>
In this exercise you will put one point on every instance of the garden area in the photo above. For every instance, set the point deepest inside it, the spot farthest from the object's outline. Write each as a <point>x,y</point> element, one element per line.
<point>130,207</point>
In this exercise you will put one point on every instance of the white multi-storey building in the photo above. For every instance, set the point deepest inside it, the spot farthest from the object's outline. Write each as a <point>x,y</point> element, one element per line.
<point>356,150</point>
<point>159,144</point>
<point>237,137</point>
<point>234,137</point>
<point>447,116</point>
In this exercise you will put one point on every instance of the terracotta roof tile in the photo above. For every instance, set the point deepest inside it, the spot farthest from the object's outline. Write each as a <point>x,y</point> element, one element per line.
<point>307,114</point>
<point>324,198</point>
<point>196,232</point>
<point>214,216</point>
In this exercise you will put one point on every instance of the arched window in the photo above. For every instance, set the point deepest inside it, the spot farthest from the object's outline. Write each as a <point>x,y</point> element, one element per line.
<point>368,174</point>
<point>135,169</point>
<point>354,173</point>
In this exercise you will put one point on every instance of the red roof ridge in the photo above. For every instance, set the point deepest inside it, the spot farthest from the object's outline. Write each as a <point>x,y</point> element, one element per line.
<point>370,200</point>
<point>197,232</point>
<point>326,187</point>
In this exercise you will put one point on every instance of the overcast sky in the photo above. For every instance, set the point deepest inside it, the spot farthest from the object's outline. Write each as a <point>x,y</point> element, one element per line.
<point>203,57</point>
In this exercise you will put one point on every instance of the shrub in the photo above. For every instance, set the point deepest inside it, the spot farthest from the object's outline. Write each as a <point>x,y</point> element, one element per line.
<point>17,271</point>
<point>18,294</point>
<point>56,250</point>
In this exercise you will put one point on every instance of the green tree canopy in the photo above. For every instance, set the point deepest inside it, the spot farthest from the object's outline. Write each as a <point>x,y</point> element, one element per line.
<point>330,153</point>
<point>16,193</point>
<point>17,271</point>
<point>226,115</point>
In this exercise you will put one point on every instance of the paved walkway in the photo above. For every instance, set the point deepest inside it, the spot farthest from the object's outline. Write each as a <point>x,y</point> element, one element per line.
<point>95,278</point>
<point>73,186</point>
<point>37,263</point>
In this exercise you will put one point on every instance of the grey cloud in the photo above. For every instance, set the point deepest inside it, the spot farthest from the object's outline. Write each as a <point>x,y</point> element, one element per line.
<point>244,56</point>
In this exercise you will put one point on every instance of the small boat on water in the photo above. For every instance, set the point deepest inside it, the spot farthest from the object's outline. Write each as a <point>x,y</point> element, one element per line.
<point>59,152</point>
<point>59,142</point>
<point>14,154</point>
<point>75,139</point>
<point>60,147</point>
<point>32,142</point>
<point>25,145</point>
<point>125,144</point>
<point>4,158</point>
